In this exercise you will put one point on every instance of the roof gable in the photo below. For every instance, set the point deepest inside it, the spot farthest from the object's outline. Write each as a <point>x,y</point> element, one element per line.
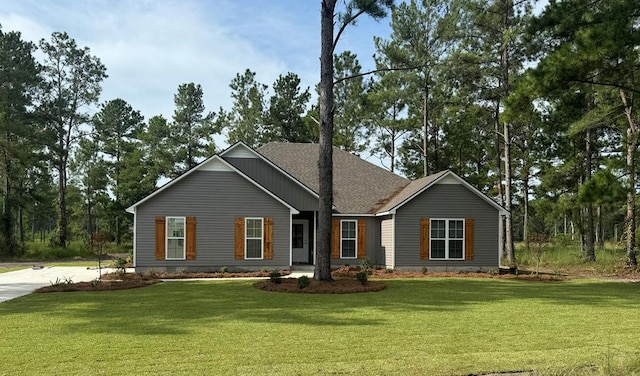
<point>214,163</point>
<point>416,187</point>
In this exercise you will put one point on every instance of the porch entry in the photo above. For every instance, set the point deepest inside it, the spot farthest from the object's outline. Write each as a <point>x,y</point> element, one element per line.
<point>300,241</point>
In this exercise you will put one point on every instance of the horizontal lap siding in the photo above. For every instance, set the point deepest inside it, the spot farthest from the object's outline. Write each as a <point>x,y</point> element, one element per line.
<point>215,198</point>
<point>372,241</point>
<point>446,201</point>
<point>277,182</point>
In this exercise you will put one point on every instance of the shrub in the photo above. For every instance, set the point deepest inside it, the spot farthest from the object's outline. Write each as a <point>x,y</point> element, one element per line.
<point>365,264</point>
<point>303,282</point>
<point>265,269</point>
<point>120,264</point>
<point>275,277</point>
<point>224,269</point>
<point>388,270</point>
<point>424,270</point>
<point>362,276</point>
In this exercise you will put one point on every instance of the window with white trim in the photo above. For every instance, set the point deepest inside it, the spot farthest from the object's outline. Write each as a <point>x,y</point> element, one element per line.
<point>348,238</point>
<point>175,238</point>
<point>447,239</point>
<point>253,238</point>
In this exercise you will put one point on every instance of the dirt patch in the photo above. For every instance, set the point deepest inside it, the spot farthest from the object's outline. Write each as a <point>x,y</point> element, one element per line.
<point>388,274</point>
<point>122,282</point>
<point>258,274</point>
<point>337,286</point>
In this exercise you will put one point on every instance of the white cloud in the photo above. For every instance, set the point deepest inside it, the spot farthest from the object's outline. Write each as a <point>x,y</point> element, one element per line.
<point>151,47</point>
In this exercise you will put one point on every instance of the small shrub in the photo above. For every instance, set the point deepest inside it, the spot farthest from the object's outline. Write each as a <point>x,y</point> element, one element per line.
<point>265,269</point>
<point>150,274</point>
<point>304,282</point>
<point>96,282</point>
<point>424,270</point>
<point>362,276</point>
<point>365,264</point>
<point>388,270</point>
<point>224,269</point>
<point>121,265</point>
<point>67,280</point>
<point>184,270</point>
<point>275,277</point>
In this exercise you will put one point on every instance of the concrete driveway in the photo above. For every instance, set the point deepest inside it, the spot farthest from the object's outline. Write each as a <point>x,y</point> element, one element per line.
<point>23,282</point>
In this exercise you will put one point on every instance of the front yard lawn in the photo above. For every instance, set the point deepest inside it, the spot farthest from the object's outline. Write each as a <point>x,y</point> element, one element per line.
<point>433,326</point>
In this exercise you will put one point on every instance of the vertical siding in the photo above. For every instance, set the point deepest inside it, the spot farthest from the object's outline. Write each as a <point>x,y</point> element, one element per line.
<point>277,182</point>
<point>446,201</point>
<point>215,198</point>
<point>386,239</point>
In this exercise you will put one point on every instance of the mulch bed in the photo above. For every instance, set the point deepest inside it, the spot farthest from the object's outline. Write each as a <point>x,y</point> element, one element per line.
<point>109,282</point>
<point>337,286</point>
<point>344,282</point>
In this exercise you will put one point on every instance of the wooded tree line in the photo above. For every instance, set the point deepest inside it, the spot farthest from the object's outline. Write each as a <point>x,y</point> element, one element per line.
<point>535,110</point>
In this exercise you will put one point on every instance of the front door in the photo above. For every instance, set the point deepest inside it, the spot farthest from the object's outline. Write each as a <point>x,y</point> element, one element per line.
<point>300,240</point>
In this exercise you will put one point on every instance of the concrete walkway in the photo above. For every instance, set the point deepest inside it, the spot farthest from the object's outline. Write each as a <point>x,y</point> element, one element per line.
<point>23,282</point>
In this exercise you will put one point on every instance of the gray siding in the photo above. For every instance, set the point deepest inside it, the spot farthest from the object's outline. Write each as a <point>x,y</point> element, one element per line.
<point>215,198</point>
<point>386,239</point>
<point>447,201</point>
<point>277,182</point>
<point>372,240</point>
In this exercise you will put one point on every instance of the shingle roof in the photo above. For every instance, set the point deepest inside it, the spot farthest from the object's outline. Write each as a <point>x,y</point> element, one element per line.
<point>359,187</point>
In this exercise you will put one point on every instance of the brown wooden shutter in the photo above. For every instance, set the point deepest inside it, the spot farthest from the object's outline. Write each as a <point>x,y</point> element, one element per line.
<point>424,238</point>
<point>160,238</point>
<point>362,238</point>
<point>468,238</point>
<point>335,238</point>
<point>268,238</point>
<point>191,238</point>
<point>239,238</point>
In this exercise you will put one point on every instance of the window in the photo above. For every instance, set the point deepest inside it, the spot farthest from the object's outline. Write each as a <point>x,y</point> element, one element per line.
<point>253,238</point>
<point>175,238</point>
<point>447,239</point>
<point>348,238</point>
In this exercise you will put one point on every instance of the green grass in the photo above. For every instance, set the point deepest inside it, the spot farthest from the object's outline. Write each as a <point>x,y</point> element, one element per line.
<point>414,327</point>
<point>12,269</point>
<point>568,257</point>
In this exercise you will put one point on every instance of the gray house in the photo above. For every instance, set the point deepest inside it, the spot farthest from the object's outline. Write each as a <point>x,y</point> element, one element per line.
<point>249,209</point>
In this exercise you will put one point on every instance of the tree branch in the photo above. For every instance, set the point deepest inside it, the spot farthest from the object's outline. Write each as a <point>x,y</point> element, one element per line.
<point>376,71</point>
<point>343,27</point>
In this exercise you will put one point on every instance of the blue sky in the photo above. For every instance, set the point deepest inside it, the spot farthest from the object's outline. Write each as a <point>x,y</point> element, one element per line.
<point>150,47</point>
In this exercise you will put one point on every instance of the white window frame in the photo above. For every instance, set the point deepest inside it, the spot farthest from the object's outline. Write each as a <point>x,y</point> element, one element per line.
<point>446,239</point>
<point>247,238</point>
<point>355,239</point>
<point>170,237</point>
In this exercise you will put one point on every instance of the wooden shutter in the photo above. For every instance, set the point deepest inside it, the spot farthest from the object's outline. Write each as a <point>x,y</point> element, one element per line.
<point>335,238</point>
<point>362,238</point>
<point>191,238</point>
<point>424,238</point>
<point>468,238</point>
<point>239,238</point>
<point>160,238</point>
<point>268,238</point>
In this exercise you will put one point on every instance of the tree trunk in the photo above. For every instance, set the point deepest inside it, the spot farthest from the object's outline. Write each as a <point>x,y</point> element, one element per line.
<point>525,204</point>
<point>425,130</point>
<point>62,203</point>
<point>589,244</point>
<point>508,226</point>
<point>630,218</point>
<point>322,270</point>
